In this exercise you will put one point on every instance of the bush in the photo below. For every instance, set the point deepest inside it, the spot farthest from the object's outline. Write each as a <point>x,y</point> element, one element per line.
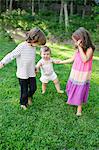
<point>22,19</point>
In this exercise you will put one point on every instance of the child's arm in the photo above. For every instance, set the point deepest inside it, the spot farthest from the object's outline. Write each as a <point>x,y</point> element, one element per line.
<point>1,65</point>
<point>67,61</point>
<point>56,61</point>
<point>10,56</point>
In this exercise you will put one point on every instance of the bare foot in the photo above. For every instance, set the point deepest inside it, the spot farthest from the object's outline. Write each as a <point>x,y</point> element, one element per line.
<point>78,114</point>
<point>43,92</point>
<point>60,91</point>
<point>29,101</point>
<point>23,107</point>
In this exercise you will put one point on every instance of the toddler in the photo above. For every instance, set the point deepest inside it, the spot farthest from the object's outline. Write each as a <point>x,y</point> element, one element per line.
<point>47,71</point>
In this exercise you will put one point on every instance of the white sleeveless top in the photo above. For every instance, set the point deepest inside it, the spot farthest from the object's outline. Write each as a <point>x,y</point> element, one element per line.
<point>46,67</point>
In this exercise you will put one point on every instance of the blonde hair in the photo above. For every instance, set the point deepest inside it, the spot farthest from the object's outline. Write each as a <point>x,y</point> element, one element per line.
<point>36,35</point>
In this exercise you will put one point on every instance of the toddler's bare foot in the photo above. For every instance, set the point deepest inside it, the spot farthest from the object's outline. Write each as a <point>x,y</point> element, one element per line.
<point>78,114</point>
<point>60,91</point>
<point>43,92</point>
<point>29,101</point>
<point>23,107</point>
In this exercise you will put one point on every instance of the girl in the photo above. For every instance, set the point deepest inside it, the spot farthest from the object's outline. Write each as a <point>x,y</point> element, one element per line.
<point>79,81</point>
<point>47,71</point>
<point>25,58</point>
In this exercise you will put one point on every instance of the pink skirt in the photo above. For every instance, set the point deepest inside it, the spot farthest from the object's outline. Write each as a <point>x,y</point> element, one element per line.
<point>77,93</point>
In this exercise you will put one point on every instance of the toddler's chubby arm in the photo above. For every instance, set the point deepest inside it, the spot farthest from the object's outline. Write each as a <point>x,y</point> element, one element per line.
<point>38,67</point>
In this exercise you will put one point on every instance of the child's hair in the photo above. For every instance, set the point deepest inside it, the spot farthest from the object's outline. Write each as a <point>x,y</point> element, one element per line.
<point>84,36</point>
<point>37,35</point>
<point>45,49</point>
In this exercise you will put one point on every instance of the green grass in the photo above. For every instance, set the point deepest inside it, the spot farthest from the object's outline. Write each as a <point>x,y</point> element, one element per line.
<point>49,124</point>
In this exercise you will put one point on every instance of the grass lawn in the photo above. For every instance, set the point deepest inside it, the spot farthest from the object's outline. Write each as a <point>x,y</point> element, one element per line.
<point>49,124</point>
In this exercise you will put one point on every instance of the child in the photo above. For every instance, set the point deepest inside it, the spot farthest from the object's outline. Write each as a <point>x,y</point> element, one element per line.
<point>25,58</point>
<point>47,71</point>
<point>79,81</point>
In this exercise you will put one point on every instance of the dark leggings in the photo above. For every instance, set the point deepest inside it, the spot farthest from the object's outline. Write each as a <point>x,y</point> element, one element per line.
<point>28,88</point>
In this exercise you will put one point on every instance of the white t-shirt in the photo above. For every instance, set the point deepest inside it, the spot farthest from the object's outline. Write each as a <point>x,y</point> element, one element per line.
<point>25,58</point>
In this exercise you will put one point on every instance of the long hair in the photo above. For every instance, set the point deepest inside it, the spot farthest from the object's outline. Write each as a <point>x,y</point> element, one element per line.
<point>84,36</point>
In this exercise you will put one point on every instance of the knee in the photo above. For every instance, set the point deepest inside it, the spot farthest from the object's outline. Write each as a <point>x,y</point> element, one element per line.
<point>56,81</point>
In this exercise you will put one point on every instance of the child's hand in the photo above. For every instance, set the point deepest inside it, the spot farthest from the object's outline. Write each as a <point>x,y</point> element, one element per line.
<point>79,43</point>
<point>1,65</point>
<point>60,62</point>
<point>57,61</point>
<point>36,71</point>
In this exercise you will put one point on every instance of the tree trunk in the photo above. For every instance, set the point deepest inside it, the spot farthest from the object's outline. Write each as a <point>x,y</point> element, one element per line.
<point>7,7</point>
<point>71,8</point>
<point>10,6</point>
<point>0,6</point>
<point>84,9</point>
<point>66,16</point>
<point>61,12</point>
<point>38,5</point>
<point>33,13</point>
<point>43,7</point>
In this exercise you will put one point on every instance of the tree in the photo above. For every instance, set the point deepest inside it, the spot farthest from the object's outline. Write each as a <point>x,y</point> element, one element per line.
<point>10,6</point>
<point>7,4</point>
<point>64,4</point>
<point>38,5</point>
<point>61,12</point>
<point>84,9</point>
<point>0,6</point>
<point>66,16</point>
<point>33,8</point>
<point>71,7</point>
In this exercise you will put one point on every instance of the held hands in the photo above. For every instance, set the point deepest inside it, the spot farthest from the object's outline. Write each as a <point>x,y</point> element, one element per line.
<point>1,65</point>
<point>57,61</point>
<point>60,62</point>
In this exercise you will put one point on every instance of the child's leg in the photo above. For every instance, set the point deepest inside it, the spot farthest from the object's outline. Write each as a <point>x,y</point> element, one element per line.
<point>79,110</point>
<point>57,85</point>
<point>32,89</point>
<point>24,92</point>
<point>44,85</point>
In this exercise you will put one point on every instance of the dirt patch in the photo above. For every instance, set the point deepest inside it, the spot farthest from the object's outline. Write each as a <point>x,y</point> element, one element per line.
<point>19,35</point>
